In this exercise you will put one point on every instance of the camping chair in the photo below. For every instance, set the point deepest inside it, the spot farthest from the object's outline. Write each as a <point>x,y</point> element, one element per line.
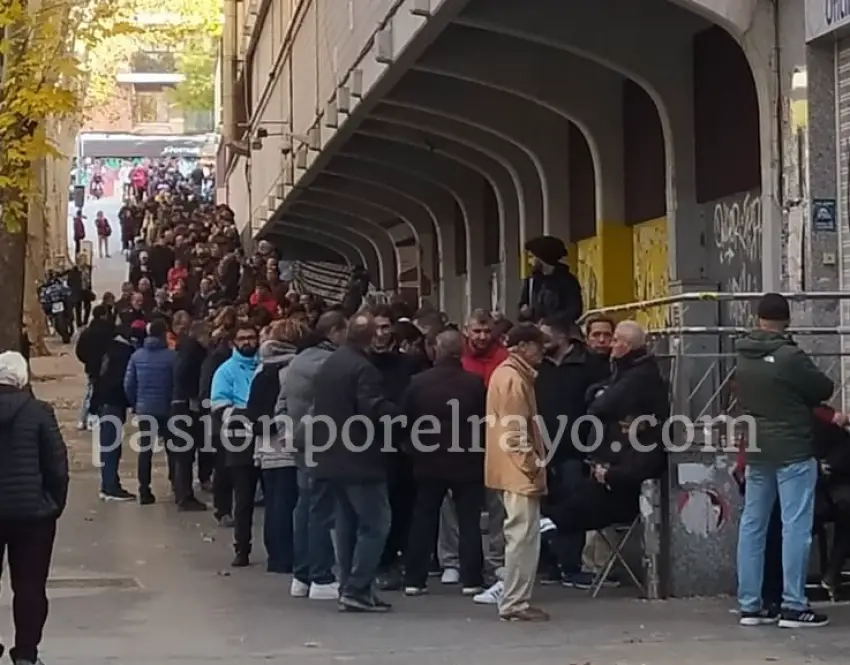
<point>623,534</point>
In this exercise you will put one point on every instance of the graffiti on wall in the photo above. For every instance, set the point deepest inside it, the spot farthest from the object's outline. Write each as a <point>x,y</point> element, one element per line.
<point>651,269</point>
<point>587,270</point>
<point>737,228</point>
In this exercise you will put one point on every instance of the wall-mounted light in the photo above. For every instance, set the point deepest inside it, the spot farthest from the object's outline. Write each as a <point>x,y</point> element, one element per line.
<point>800,79</point>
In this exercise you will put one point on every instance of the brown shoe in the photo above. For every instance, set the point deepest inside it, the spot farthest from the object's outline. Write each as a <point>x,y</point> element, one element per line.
<point>527,614</point>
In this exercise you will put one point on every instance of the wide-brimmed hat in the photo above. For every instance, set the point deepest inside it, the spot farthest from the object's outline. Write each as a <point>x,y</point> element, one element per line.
<point>548,249</point>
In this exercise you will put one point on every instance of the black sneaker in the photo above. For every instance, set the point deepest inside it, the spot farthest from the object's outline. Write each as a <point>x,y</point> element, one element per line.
<point>802,619</point>
<point>146,498</point>
<point>389,580</point>
<point>191,505</point>
<point>241,560</point>
<point>551,576</point>
<point>352,603</point>
<point>380,605</point>
<point>117,495</point>
<point>764,617</point>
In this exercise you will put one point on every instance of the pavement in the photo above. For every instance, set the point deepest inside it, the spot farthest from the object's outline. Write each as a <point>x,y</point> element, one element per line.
<point>135,585</point>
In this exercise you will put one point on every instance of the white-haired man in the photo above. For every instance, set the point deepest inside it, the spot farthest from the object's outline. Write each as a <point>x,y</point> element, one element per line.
<point>630,409</point>
<point>33,494</point>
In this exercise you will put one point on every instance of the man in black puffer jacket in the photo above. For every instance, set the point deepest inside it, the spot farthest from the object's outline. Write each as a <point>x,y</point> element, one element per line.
<point>627,454</point>
<point>33,494</point>
<point>191,352</point>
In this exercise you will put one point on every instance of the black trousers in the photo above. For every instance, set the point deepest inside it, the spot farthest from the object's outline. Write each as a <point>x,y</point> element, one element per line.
<point>82,311</point>
<point>590,506</point>
<point>245,479</point>
<point>468,498</point>
<point>402,496</point>
<point>29,545</point>
<point>222,485</point>
<point>183,459</point>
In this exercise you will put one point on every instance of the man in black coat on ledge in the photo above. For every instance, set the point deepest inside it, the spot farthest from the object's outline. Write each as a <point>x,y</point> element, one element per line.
<point>552,288</point>
<point>349,395</point>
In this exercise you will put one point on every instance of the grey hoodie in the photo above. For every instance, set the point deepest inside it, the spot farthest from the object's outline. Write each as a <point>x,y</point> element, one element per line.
<point>297,395</point>
<point>273,449</point>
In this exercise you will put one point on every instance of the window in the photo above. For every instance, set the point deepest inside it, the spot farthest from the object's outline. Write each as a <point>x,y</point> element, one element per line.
<point>152,107</point>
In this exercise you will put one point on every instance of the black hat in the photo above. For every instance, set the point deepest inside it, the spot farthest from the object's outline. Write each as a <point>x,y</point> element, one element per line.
<point>548,249</point>
<point>774,307</point>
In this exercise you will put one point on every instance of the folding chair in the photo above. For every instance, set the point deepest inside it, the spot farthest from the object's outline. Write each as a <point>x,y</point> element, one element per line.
<point>624,534</point>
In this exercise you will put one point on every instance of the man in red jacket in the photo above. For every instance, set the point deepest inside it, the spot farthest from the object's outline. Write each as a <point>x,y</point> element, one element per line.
<point>482,354</point>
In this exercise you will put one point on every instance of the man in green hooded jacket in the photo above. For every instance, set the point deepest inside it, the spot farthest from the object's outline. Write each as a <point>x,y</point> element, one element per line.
<point>778,385</point>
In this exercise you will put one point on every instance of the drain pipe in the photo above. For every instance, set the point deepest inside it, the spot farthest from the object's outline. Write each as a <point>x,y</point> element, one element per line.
<point>228,74</point>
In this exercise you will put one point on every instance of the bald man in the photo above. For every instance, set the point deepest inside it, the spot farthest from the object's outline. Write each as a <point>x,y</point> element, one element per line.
<point>624,456</point>
<point>448,457</point>
<point>348,394</point>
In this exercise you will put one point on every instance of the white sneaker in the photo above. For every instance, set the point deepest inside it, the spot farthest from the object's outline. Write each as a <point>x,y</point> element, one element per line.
<point>299,589</point>
<point>450,576</point>
<point>471,590</point>
<point>547,525</point>
<point>324,591</point>
<point>491,596</point>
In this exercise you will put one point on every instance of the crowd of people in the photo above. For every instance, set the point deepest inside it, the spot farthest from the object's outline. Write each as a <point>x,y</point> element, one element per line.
<point>262,395</point>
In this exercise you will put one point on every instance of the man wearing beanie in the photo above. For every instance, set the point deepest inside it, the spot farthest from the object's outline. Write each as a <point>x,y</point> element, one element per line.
<point>552,288</point>
<point>778,385</point>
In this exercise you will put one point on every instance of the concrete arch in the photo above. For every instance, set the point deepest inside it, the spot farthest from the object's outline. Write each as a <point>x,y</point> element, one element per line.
<point>350,253</point>
<point>317,248</point>
<point>491,169</point>
<point>365,245</point>
<point>504,63</point>
<point>662,73</point>
<point>330,213</point>
<point>523,172</point>
<point>464,185</point>
<point>407,214</point>
<point>434,201</point>
<point>498,112</point>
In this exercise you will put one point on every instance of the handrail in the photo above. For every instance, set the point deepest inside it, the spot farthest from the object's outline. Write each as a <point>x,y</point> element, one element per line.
<point>716,296</point>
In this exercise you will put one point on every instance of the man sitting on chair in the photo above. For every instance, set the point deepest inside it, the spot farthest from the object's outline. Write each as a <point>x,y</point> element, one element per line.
<point>630,409</point>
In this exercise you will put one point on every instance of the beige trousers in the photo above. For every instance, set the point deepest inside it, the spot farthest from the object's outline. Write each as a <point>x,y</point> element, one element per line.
<point>522,550</point>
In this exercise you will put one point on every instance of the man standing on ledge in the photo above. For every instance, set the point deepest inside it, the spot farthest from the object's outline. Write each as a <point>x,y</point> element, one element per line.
<point>552,288</point>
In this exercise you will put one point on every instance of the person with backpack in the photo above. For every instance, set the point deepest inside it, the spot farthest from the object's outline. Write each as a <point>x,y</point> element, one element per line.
<point>104,231</point>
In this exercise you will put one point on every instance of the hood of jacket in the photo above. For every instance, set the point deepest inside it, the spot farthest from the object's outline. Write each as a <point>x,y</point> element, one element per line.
<point>273,352</point>
<point>761,343</point>
<point>12,400</point>
<point>520,366</point>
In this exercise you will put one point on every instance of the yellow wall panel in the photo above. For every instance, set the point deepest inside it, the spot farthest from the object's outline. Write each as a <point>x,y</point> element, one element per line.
<point>615,256</point>
<point>588,269</point>
<point>651,268</point>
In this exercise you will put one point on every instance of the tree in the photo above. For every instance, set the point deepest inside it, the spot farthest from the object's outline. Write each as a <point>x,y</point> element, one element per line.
<point>40,85</point>
<point>197,62</point>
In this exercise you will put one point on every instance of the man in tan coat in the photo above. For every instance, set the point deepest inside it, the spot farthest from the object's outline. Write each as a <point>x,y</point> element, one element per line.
<point>514,465</point>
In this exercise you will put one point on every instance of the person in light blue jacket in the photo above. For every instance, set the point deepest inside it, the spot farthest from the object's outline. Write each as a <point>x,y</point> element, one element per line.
<point>148,385</point>
<point>231,387</point>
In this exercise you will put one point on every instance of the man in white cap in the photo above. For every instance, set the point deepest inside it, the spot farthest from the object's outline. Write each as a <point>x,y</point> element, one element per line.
<point>33,494</point>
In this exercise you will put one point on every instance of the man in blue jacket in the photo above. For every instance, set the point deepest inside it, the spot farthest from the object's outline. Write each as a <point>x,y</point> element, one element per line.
<point>148,385</point>
<point>231,386</point>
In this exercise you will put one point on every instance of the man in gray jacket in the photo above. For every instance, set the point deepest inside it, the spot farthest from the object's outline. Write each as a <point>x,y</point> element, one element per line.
<point>313,555</point>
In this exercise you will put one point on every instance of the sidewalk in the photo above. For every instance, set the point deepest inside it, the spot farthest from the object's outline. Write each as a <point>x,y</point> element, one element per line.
<point>138,585</point>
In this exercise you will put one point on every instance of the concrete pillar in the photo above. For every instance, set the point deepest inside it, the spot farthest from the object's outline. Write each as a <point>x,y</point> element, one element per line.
<point>355,250</point>
<point>490,169</point>
<point>517,163</point>
<point>400,208</point>
<point>317,209</point>
<point>464,184</point>
<point>431,203</point>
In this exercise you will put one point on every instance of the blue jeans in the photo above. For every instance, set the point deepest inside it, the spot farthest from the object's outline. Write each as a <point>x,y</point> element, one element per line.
<point>795,486</point>
<point>85,409</point>
<point>362,524</point>
<point>313,550</point>
<point>281,494</point>
<point>110,444</point>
